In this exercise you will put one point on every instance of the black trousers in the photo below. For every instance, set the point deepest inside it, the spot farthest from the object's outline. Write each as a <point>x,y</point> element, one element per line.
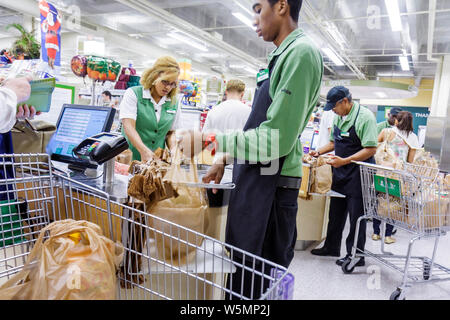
<point>376,228</point>
<point>339,209</point>
<point>279,243</point>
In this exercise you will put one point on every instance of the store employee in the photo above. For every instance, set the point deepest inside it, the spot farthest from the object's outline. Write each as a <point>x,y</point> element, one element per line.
<point>263,206</point>
<point>149,112</point>
<point>353,138</point>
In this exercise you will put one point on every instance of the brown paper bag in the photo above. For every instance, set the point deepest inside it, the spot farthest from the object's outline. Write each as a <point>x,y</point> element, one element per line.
<point>323,176</point>
<point>176,245</point>
<point>76,262</point>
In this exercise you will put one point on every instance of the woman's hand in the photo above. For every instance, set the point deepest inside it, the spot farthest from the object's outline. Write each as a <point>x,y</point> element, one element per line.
<point>314,153</point>
<point>147,155</point>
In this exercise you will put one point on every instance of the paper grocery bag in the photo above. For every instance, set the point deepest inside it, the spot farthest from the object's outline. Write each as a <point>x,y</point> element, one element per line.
<point>76,262</point>
<point>323,178</point>
<point>176,245</point>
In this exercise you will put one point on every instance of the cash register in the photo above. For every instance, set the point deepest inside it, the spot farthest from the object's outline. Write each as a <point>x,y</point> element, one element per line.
<point>83,141</point>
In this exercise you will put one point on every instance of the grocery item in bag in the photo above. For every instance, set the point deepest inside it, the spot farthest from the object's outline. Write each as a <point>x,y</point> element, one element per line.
<point>147,184</point>
<point>321,174</point>
<point>391,208</point>
<point>76,262</point>
<point>189,210</point>
<point>386,157</point>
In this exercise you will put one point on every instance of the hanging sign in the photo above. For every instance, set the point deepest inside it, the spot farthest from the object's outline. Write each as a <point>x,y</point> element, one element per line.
<point>50,34</point>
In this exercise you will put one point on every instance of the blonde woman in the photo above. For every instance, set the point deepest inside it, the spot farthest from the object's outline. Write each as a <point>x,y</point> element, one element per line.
<point>150,112</point>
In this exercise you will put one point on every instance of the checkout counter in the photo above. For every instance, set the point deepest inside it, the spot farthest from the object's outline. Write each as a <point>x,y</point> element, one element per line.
<point>82,123</point>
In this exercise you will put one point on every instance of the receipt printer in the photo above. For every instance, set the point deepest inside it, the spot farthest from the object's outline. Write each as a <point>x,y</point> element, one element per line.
<point>101,148</point>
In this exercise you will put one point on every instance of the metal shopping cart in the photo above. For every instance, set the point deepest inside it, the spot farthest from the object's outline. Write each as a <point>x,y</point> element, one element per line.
<point>33,195</point>
<point>413,199</point>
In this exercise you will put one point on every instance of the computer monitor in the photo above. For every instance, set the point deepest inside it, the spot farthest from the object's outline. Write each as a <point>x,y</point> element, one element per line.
<point>76,123</point>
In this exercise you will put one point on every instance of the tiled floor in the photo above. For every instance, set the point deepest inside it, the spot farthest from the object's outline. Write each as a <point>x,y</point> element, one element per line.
<point>320,278</point>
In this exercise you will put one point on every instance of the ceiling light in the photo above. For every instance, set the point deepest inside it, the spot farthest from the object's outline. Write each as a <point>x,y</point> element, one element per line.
<point>394,14</point>
<point>188,41</point>
<point>166,41</point>
<point>244,8</point>
<point>381,94</point>
<point>251,70</point>
<point>333,56</point>
<point>404,63</point>
<point>244,19</point>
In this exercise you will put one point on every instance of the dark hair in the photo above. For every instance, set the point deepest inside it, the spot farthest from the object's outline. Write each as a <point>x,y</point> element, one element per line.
<point>294,7</point>
<point>107,93</point>
<point>391,119</point>
<point>405,122</point>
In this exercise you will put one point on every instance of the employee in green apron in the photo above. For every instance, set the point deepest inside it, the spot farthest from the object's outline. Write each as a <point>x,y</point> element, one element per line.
<point>390,121</point>
<point>353,138</point>
<point>150,113</point>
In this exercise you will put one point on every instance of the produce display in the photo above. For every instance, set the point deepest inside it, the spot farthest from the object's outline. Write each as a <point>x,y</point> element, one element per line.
<point>96,68</point>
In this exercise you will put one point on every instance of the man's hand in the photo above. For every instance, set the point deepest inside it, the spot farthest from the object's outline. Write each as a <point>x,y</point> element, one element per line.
<point>337,162</point>
<point>215,173</point>
<point>21,87</point>
<point>26,112</point>
<point>190,142</point>
<point>314,153</point>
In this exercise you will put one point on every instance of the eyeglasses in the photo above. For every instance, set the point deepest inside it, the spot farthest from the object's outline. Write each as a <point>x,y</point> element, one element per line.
<point>166,83</point>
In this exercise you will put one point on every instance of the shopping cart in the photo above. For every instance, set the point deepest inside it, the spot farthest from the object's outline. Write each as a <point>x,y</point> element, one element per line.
<point>34,195</point>
<point>412,199</point>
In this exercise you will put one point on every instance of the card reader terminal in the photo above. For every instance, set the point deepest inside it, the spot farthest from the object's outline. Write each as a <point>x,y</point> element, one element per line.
<point>101,147</point>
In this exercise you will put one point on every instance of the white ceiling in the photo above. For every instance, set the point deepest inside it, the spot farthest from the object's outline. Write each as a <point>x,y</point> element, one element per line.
<point>369,47</point>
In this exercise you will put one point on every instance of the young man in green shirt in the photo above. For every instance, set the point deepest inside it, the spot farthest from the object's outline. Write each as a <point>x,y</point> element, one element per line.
<point>353,138</point>
<point>268,153</point>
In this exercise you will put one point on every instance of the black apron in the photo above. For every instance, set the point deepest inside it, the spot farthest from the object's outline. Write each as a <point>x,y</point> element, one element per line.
<point>252,198</point>
<point>347,179</point>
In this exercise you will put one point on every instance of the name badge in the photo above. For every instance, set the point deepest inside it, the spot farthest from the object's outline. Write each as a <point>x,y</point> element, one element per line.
<point>263,75</point>
<point>345,134</point>
<point>171,111</point>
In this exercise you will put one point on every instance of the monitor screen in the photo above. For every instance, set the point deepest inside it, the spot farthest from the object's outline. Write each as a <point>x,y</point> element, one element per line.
<point>75,124</point>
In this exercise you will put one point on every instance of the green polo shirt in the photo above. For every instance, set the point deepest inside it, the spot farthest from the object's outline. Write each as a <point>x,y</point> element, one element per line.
<point>382,125</point>
<point>365,125</point>
<point>294,89</point>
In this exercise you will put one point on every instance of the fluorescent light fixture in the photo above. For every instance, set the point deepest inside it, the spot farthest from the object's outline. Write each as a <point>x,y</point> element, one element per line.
<point>166,41</point>
<point>243,8</point>
<point>404,62</point>
<point>244,19</point>
<point>394,14</point>
<point>188,41</point>
<point>250,70</point>
<point>333,56</point>
<point>381,94</point>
